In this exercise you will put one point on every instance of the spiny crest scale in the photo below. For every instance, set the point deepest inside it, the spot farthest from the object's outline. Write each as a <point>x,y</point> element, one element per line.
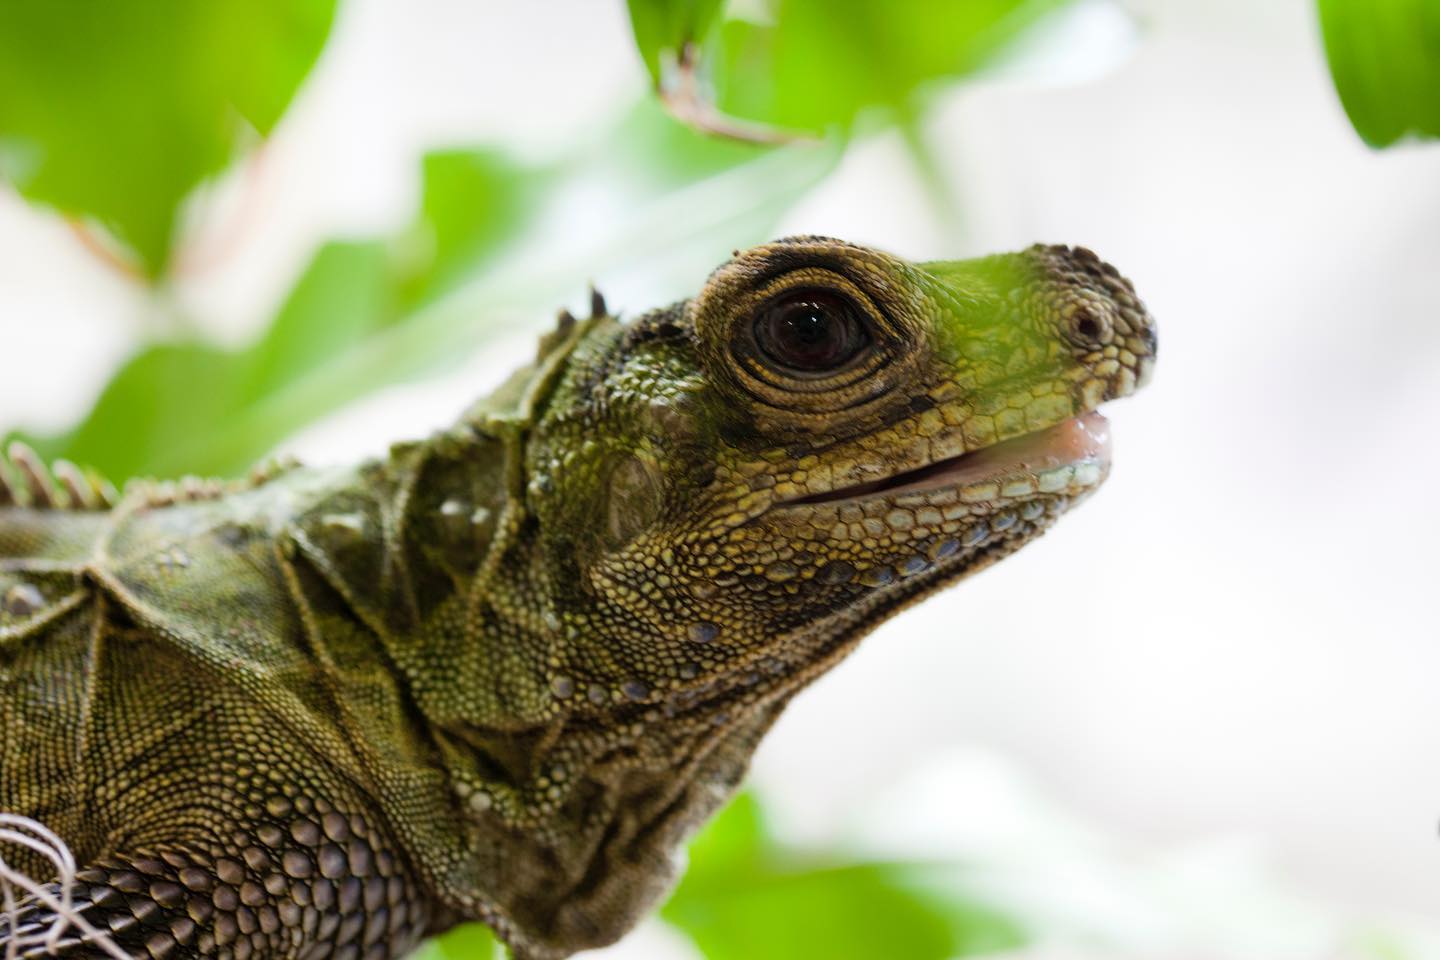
<point>25,481</point>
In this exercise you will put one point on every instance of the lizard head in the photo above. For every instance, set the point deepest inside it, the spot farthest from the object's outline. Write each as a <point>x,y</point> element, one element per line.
<point>736,487</point>
<point>727,493</point>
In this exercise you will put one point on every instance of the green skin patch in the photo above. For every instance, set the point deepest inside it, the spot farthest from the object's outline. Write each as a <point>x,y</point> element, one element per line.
<point>503,673</point>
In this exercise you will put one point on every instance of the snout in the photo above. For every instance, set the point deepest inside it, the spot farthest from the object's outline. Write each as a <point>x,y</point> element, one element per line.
<point>1107,324</point>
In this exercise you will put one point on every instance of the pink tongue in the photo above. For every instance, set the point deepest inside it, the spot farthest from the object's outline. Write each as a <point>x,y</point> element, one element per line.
<point>1086,437</point>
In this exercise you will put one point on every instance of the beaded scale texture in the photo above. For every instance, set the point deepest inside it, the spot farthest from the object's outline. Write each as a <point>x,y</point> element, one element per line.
<point>504,672</point>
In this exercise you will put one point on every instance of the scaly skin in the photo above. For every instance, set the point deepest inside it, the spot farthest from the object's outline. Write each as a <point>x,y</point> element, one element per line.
<point>504,672</point>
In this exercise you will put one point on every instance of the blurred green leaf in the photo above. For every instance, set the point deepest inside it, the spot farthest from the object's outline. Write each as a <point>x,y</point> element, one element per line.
<point>372,313</point>
<point>167,410</point>
<point>651,148</point>
<point>663,28</point>
<point>182,408</point>
<point>821,62</point>
<point>473,941</point>
<point>473,203</point>
<point>814,66</point>
<point>744,898</point>
<point>1385,58</point>
<point>732,843</point>
<point>345,294</point>
<point>117,110</point>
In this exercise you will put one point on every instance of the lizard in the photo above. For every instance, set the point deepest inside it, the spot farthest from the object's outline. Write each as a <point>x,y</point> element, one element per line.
<point>503,672</point>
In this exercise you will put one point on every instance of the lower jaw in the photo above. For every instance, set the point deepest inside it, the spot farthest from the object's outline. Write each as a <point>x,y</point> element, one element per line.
<point>954,548</point>
<point>852,622</point>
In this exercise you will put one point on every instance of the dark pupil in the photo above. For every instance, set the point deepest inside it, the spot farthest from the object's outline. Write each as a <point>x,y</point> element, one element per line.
<point>811,333</point>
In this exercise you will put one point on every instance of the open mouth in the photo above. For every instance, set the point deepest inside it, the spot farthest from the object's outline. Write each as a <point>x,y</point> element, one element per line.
<point>1081,439</point>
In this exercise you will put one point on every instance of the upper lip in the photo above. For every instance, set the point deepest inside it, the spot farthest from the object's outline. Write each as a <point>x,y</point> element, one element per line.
<point>1082,438</point>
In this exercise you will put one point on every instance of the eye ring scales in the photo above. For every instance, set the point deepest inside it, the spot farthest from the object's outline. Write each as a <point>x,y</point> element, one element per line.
<point>804,331</point>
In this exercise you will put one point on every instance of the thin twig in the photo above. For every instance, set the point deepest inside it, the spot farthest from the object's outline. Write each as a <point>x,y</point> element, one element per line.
<point>681,95</point>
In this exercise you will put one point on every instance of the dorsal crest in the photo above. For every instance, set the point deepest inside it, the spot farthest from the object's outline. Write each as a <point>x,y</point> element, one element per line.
<point>25,481</point>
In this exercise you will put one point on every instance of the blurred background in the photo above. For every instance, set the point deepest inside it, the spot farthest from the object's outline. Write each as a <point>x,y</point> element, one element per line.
<point>1199,720</point>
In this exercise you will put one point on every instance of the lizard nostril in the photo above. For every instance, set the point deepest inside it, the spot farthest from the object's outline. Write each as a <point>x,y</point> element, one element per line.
<point>1088,329</point>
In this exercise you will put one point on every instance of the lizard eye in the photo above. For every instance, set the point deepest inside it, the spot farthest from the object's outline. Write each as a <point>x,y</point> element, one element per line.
<point>810,331</point>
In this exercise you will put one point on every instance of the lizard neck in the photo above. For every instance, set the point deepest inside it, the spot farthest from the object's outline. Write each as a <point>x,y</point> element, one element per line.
<point>428,552</point>
<point>410,575</point>
<point>528,805</point>
<point>545,807</point>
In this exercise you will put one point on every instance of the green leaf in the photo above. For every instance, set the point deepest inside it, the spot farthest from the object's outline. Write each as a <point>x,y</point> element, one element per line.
<point>343,296</point>
<point>473,941</point>
<point>368,314</point>
<point>167,410</point>
<point>192,408</point>
<point>1385,59</point>
<point>839,913</point>
<point>473,202</point>
<point>650,149</point>
<point>814,66</point>
<point>732,843</point>
<point>824,61</point>
<point>744,898</point>
<point>663,28</point>
<point>167,392</point>
<point>115,111</point>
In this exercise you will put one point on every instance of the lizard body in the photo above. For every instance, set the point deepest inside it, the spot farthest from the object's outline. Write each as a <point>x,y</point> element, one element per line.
<point>502,673</point>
